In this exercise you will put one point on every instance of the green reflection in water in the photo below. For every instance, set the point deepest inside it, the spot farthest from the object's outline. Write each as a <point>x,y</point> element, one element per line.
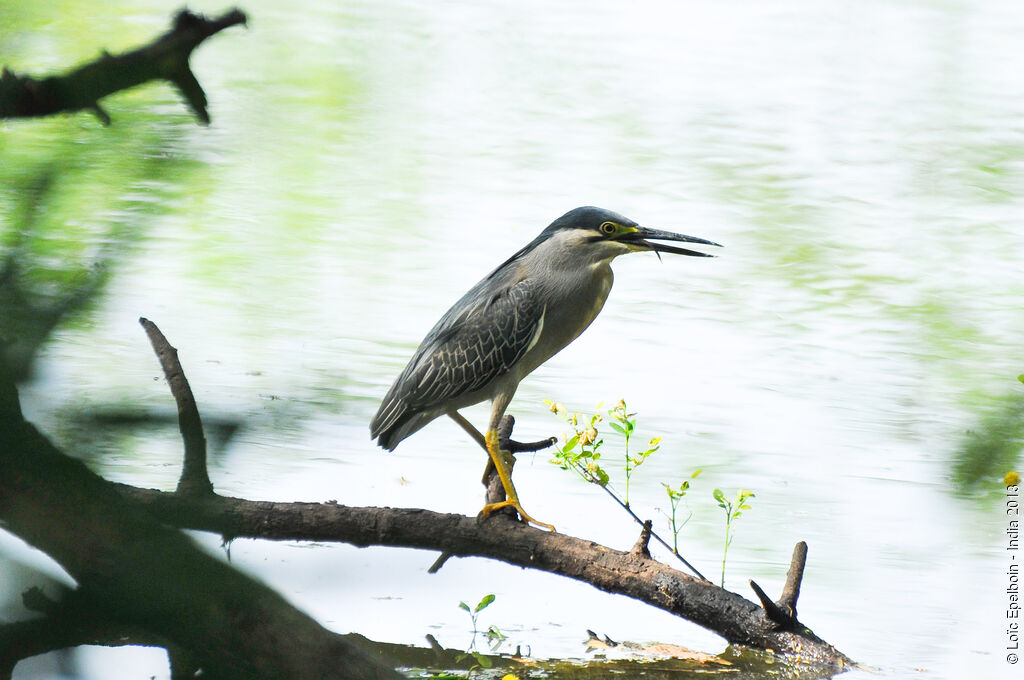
<point>74,198</point>
<point>992,448</point>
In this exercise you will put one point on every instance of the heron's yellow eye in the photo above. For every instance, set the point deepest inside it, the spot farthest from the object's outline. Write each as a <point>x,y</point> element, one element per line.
<point>608,228</point>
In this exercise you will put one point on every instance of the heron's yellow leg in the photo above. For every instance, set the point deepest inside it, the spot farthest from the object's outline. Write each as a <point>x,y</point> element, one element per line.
<point>512,500</point>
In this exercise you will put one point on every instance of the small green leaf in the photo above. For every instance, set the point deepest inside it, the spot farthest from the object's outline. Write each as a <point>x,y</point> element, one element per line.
<point>618,428</point>
<point>487,599</point>
<point>719,496</point>
<point>1021,377</point>
<point>463,605</point>
<point>571,444</point>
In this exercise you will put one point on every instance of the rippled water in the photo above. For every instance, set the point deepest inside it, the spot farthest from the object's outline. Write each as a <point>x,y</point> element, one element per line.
<point>369,161</point>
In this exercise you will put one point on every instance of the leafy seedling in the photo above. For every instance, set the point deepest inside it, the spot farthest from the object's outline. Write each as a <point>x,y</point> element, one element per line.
<point>675,497</point>
<point>733,510</point>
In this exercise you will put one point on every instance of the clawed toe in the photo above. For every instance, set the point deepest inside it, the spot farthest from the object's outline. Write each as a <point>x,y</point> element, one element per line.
<point>492,507</point>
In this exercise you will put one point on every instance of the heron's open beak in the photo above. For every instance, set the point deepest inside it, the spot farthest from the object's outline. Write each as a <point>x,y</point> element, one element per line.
<point>640,237</point>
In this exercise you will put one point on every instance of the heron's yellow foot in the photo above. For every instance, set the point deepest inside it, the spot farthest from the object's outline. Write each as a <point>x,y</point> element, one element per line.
<point>488,509</point>
<point>501,463</point>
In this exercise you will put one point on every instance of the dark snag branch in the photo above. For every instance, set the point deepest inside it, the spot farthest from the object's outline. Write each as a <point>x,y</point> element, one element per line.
<point>773,626</point>
<point>194,481</point>
<point>166,58</point>
<point>140,581</point>
<point>783,612</point>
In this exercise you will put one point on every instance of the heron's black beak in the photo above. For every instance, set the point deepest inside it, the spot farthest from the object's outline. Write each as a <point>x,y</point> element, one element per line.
<point>640,237</point>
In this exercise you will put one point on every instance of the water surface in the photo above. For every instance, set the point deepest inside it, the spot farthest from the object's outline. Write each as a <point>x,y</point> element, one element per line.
<point>369,161</point>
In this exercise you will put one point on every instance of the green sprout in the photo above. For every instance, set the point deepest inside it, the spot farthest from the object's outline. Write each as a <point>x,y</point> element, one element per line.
<point>495,638</point>
<point>733,510</point>
<point>474,613</point>
<point>675,496</point>
<point>624,423</point>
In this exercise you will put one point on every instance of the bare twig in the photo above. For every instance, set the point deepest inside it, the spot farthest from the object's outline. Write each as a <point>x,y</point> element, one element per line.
<point>783,612</point>
<point>194,481</point>
<point>771,610</point>
<point>640,547</point>
<point>795,575</point>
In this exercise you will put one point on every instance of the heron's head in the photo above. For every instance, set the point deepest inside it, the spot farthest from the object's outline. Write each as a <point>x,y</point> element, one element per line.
<point>596,234</point>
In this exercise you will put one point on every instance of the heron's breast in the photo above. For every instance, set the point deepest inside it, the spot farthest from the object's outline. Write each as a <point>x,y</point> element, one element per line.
<point>569,310</point>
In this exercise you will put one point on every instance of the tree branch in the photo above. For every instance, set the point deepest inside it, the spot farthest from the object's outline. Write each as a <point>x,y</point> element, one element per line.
<point>166,58</point>
<point>736,619</point>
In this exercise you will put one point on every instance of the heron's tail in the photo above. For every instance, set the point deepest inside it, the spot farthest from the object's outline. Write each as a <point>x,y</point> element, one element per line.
<point>396,420</point>
<point>388,419</point>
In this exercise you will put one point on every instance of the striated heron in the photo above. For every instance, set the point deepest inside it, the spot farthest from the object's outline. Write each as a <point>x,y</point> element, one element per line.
<point>516,318</point>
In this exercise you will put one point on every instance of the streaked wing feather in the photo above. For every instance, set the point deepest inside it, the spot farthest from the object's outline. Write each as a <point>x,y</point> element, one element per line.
<point>478,346</point>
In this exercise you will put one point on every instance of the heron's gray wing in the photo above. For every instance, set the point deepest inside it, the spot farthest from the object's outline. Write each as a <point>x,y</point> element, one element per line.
<point>478,347</point>
<point>478,341</point>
